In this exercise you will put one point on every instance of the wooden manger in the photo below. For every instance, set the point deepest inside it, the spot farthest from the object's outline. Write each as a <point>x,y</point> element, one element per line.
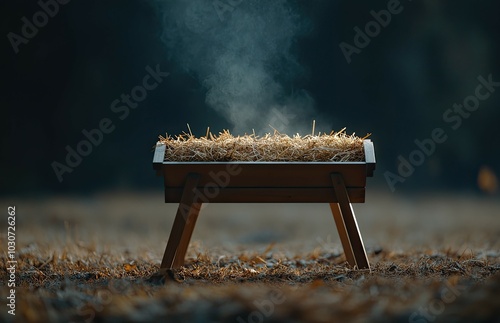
<point>193,183</point>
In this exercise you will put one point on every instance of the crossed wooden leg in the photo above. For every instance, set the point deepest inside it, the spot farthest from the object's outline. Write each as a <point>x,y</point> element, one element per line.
<point>182,229</point>
<point>345,220</point>
<point>188,210</point>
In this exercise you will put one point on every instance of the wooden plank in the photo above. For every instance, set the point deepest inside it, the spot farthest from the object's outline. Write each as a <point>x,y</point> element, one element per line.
<point>351,225</point>
<point>180,255</point>
<point>265,174</point>
<point>369,157</point>
<point>265,195</point>
<point>344,238</point>
<point>158,158</point>
<point>159,155</point>
<point>183,225</point>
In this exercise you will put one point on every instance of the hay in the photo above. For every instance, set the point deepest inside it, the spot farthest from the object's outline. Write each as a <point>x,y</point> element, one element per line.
<point>276,147</point>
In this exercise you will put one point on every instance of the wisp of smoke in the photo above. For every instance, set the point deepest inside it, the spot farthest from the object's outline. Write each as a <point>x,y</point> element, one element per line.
<point>242,53</point>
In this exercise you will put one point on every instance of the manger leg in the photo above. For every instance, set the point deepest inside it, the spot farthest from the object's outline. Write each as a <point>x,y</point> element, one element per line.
<point>180,255</point>
<point>349,219</point>
<point>344,238</point>
<point>183,226</point>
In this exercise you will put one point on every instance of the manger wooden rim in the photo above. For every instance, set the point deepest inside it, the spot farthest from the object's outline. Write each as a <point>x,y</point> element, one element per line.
<point>159,160</point>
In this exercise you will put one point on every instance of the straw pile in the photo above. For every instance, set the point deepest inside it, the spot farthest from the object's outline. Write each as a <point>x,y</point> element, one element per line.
<point>335,146</point>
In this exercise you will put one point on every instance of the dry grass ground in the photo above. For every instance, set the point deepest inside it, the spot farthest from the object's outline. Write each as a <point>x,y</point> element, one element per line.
<point>434,258</point>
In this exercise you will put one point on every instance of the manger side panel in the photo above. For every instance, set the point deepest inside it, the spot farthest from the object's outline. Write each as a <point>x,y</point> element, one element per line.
<point>266,195</point>
<point>369,156</point>
<point>158,158</point>
<point>265,174</point>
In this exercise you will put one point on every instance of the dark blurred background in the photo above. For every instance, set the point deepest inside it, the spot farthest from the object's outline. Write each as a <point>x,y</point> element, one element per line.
<point>65,78</point>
